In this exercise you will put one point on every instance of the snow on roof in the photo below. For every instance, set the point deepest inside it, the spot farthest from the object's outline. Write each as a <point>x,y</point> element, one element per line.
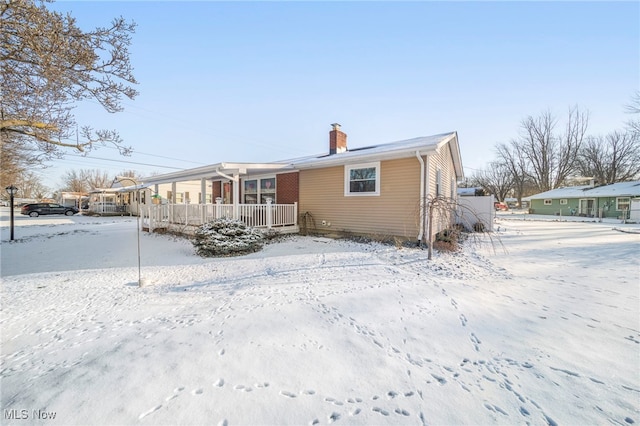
<point>387,151</point>
<point>399,148</point>
<point>620,189</point>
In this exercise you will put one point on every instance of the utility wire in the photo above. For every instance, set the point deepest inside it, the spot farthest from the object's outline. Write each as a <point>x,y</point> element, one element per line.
<point>128,162</point>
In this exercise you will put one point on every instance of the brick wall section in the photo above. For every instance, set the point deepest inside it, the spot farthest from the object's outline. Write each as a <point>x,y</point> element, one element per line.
<point>216,190</point>
<point>287,187</point>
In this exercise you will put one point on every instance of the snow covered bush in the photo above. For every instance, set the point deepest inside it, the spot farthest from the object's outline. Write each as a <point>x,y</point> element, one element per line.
<point>226,237</point>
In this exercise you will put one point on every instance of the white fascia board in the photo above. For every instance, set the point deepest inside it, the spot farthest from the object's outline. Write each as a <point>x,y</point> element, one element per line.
<point>187,174</point>
<point>249,166</point>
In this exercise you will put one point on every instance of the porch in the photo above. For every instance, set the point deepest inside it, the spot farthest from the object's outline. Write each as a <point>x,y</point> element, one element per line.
<point>185,218</point>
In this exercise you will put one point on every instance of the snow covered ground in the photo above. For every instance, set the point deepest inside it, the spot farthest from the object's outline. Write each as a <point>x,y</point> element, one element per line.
<point>544,330</point>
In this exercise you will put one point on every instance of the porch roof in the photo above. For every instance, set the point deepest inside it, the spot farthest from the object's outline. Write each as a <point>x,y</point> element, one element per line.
<point>217,171</point>
<point>119,189</point>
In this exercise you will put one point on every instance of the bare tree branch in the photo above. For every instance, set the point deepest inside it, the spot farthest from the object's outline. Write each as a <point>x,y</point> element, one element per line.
<point>49,65</point>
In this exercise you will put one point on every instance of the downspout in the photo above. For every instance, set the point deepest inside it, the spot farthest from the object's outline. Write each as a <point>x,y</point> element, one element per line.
<point>422,199</point>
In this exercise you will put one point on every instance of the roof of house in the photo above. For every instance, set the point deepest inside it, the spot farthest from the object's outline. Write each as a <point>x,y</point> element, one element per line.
<point>388,151</point>
<point>620,189</point>
<point>400,149</point>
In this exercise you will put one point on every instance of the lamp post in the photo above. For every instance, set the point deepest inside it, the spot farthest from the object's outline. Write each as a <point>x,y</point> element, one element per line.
<point>119,179</point>
<point>12,191</point>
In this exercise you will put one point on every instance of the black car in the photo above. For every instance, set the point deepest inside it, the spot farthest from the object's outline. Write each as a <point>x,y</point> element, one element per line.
<point>36,209</point>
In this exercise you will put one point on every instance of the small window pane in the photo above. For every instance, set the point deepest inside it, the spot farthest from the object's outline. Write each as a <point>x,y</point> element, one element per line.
<point>366,173</point>
<point>362,180</point>
<point>250,186</point>
<point>363,186</point>
<point>268,185</point>
<point>623,203</point>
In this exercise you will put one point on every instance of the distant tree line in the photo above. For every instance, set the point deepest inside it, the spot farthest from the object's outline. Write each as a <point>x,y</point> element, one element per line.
<point>546,155</point>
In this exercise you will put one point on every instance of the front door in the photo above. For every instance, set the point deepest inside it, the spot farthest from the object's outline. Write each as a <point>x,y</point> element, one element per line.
<point>587,207</point>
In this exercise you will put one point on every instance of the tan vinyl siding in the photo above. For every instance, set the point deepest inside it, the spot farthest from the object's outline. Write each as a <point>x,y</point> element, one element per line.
<point>442,161</point>
<point>394,212</point>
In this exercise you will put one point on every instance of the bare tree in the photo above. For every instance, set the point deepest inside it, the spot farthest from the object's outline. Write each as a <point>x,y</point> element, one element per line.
<point>634,108</point>
<point>514,160</point>
<point>496,179</point>
<point>443,211</point>
<point>612,158</point>
<point>85,180</point>
<point>552,157</point>
<point>49,65</point>
<point>30,185</point>
<point>96,178</point>
<point>75,182</point>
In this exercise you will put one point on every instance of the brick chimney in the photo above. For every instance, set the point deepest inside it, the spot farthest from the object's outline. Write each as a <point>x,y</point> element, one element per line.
<point>337,140</point>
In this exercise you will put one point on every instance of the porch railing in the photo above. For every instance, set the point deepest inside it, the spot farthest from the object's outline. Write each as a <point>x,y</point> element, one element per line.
<point>254,215</point>
<point>107,208</point>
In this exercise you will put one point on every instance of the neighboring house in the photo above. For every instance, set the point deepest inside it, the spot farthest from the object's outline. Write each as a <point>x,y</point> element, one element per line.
<point>73,199</point>
<point>600,201</point>
<point>377,191</point>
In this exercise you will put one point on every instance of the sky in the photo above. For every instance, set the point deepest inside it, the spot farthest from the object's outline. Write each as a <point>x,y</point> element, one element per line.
<point>263,81</point>
<point>312,331</point>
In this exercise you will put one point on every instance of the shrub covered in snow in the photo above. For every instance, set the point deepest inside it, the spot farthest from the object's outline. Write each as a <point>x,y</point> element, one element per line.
<point>226,237</point>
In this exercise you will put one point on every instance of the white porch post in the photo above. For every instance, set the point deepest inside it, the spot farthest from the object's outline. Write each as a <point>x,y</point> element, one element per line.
<point>236,196</point>
<point>203,191</point>
<point>218,208</point>
<point>269,213</point>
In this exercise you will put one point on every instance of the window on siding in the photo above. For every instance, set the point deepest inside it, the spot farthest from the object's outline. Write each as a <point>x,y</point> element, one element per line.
<point>548,202</point>
<point>179,197</point>
<point>563,201</point>
<point>438,182</point>
<point>623,203</point>
<point>362,179</point>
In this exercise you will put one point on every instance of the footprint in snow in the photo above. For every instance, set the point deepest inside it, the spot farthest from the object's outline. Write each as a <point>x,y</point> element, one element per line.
<point>146,413</point>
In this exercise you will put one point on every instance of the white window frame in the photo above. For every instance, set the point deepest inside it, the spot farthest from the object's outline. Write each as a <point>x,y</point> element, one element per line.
<point>628,203</point>
<point>563,202</point>
<point>347,180</point>
<point>548,201</point>
<point>438,182</point>
<point>259,192</point>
